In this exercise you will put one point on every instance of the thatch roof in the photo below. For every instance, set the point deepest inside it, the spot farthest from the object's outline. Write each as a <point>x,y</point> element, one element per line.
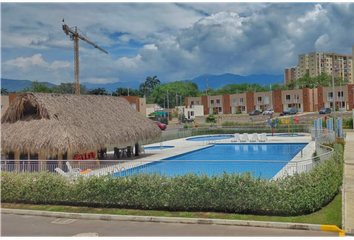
<point>49,123</point>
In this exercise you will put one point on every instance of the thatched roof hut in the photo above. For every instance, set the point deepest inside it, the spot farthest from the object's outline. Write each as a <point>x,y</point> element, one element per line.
<point>49,123</point>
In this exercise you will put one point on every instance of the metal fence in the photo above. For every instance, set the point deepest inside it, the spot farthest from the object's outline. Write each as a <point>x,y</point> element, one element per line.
<point>268,169</point>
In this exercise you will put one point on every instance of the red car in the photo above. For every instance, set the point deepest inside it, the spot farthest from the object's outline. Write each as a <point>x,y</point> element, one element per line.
<point>162,126</point>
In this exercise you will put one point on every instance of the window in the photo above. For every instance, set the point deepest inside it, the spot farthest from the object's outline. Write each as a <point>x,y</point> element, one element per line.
<point>134,105</point>
<point>305,95</point>
<point>192,113</point>
<point>2,106</point>
<point>234,102</point>
<point>279,105</point>
<point>351,92</point>
<point>320,104</point>
<point>192,102</point>
<point>320,94</point>
<point>351,103</point>
<point>197,102</point>
<point>279,97</point>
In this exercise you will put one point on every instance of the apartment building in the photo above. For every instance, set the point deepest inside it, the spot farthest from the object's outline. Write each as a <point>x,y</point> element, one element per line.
<point>137,103</point>
<point>316,63</point>
<point>306,100</point>
<point>238,103</point>
<point>291,74</point>
<point>342,96</point>
<point>262,100</point>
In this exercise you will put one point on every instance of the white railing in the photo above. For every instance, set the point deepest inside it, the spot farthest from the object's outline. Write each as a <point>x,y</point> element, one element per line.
<point>169,167</point>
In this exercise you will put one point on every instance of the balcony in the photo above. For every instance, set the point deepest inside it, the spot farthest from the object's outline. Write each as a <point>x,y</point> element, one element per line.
<point>297,100</point>
<point>340,98</point>
<point>329,98</point>
<point>212,104</point>
<point>241,103</point>
<point>218,104</point>
<point>287,100</point>
<point>259,102</point>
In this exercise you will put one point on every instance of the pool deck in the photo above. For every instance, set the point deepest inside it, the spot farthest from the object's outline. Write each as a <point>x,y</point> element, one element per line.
<point>182,146</point>
<point>348,185</point>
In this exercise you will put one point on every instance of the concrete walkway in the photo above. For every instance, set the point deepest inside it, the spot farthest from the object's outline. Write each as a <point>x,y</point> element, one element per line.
<point>348,185</point>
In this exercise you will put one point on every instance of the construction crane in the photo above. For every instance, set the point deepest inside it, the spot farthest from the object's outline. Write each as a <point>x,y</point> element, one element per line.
<point>75,36</point>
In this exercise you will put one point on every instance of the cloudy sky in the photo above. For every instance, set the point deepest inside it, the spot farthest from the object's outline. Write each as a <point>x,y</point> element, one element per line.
<point>175,41</point>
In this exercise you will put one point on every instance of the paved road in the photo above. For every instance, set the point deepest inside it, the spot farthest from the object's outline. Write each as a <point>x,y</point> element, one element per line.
<point>22,225</point>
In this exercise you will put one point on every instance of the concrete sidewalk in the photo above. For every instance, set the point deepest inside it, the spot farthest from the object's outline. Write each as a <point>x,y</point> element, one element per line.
<point>348,185</point>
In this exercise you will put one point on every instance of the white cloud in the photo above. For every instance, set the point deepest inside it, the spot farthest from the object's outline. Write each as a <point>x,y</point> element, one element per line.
<point>35,60</point>
<point>312,15</point>
<point>174,41</point>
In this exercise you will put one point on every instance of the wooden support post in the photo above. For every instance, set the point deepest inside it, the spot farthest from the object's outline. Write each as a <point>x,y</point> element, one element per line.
<point>41,162</point>
<point>17,161</point>
<point>136,149</point>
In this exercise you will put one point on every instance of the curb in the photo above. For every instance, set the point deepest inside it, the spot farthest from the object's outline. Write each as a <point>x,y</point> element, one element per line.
<point>109,217</point>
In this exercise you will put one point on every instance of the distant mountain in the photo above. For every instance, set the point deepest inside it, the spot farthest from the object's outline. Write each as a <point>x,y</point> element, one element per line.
<point>219,81</point>
<point>18,85</point>
<point>215,82</point>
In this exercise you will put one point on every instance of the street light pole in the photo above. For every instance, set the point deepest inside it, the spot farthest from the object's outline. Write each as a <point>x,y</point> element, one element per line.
<point>334,114</point>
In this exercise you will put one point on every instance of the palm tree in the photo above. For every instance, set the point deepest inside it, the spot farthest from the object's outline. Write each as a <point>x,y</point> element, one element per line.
<point>152,82</point>
<point>4,91</point>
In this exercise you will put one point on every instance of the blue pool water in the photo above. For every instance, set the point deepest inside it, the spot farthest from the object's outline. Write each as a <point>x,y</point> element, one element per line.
<point>208,138</point>
<point>158,147</point>
<point>264,160</point>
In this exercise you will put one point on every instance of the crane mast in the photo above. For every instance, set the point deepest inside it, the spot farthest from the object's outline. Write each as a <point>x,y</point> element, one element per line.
<point>75,36</point>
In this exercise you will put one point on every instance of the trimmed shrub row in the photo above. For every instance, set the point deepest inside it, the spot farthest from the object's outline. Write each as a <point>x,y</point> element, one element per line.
<point>292,195</point>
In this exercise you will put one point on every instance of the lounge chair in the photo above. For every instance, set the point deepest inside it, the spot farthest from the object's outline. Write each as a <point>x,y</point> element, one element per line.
<point>61,172</point>
<point>263,137</point>
<point>72,170</point>
<point>141,149</point>
<point>254,137</point>
<point>244,137</point>
<point>236,138</point>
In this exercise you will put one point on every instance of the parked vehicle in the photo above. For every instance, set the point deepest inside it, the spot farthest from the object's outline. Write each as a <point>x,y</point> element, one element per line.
<point>289,111</point>
<point>268,112</point>
<point>162,126</point>
<point>325,111</point>
<point>255,112</point>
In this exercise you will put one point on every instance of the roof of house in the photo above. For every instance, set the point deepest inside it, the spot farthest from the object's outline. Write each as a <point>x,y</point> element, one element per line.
<point>51,123</point>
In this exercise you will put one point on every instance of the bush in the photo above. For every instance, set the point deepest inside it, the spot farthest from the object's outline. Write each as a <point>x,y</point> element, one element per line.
<point>210,119</point>
<point>237,193</point>
<point>164,120</point>
<point>348,123</point>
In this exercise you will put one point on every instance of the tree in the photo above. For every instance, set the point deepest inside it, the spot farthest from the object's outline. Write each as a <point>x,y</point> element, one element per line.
<point>68,88</point>
<point>38,87</point>
<point>152,82</point>
<point>4,91</point>
<point>98,91</point>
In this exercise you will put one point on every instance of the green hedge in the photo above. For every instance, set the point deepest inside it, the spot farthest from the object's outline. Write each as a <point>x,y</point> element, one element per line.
<point>291,195</point>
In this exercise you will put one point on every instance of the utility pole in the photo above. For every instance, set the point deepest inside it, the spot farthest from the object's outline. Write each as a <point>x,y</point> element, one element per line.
<point>207,82</point>
<point>334,115</point>
<point>168,106</point>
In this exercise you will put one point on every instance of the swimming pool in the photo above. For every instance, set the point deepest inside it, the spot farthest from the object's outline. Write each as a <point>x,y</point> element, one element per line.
<point>210,138</point>
<point>264,160</point>
<point>285,135</point>
<point>158,147</point>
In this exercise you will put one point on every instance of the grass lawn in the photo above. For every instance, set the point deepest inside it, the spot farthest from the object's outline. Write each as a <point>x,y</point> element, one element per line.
<point>329,215</point>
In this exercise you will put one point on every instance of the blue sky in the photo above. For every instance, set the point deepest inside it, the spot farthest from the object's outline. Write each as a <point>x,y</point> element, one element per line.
<point>175,41</point>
